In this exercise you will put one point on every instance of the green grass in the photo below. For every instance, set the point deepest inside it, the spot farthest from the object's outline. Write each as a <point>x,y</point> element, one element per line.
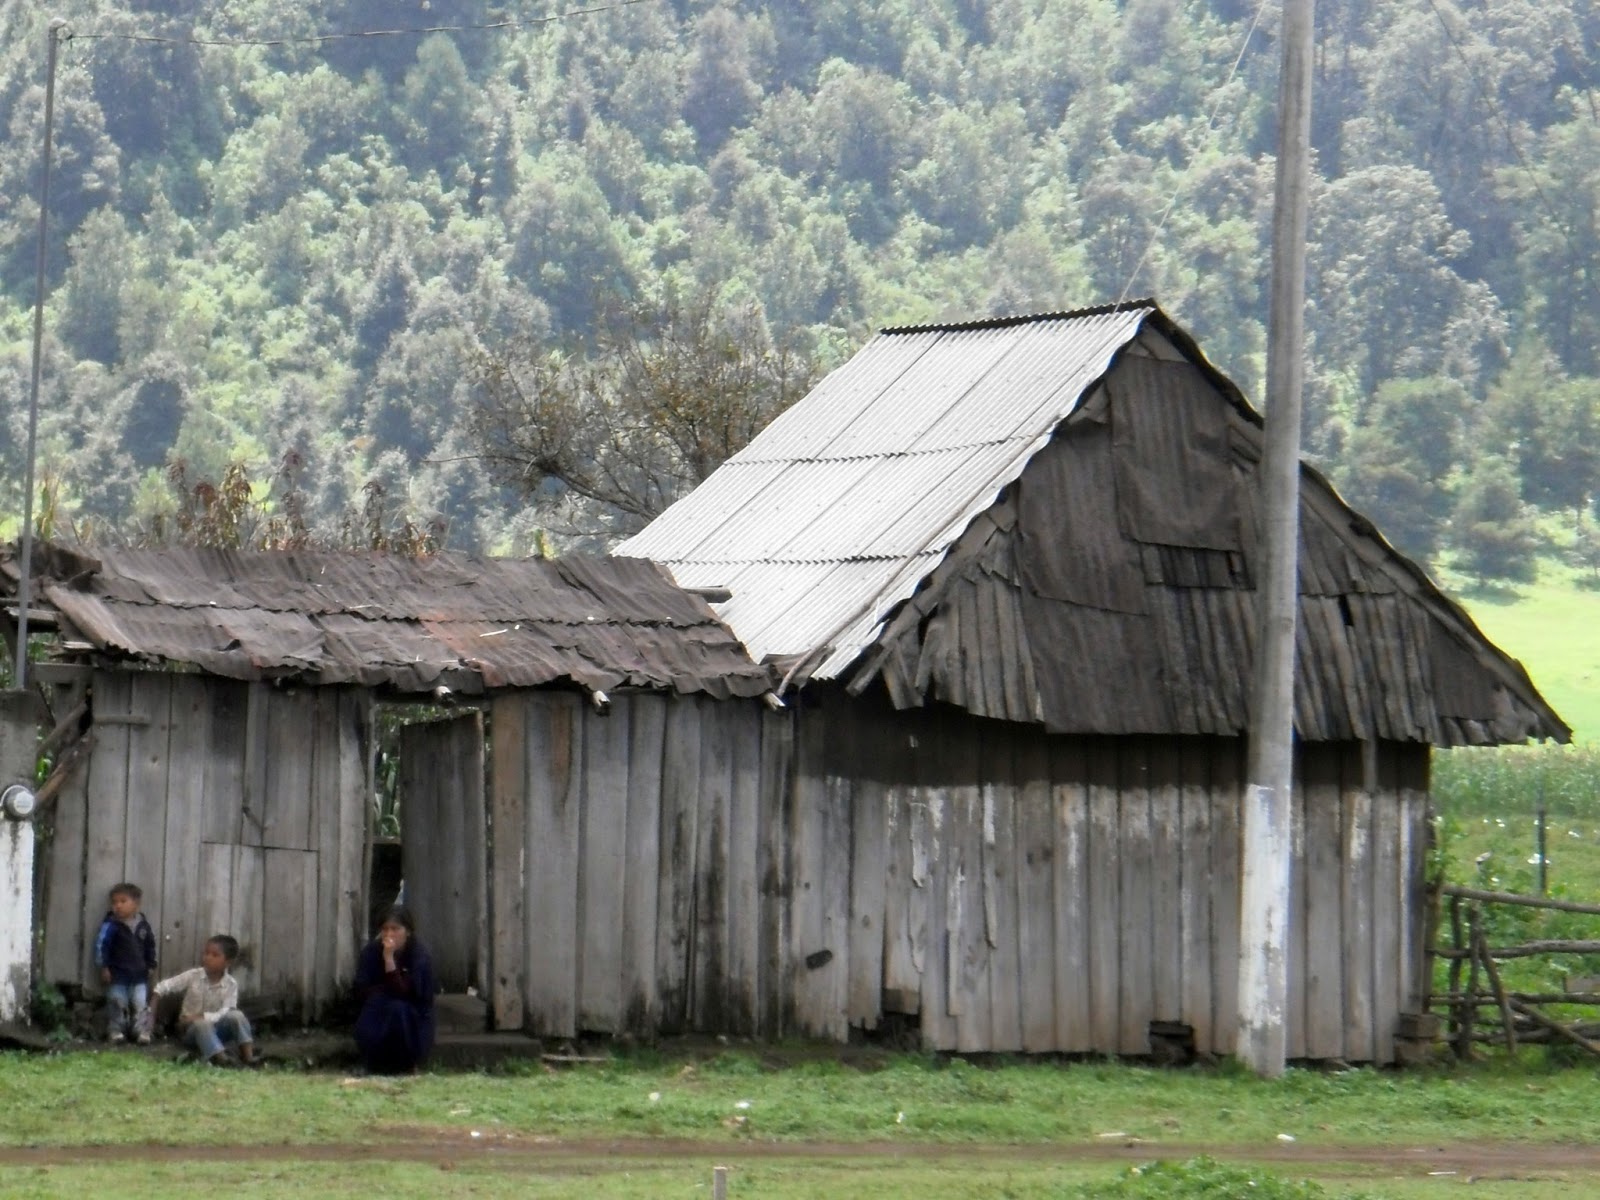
<point>1553,627</point>
<point>897,1126</point>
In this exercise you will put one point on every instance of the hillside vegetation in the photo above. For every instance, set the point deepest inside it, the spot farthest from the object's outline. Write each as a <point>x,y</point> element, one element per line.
<point>302,254</point>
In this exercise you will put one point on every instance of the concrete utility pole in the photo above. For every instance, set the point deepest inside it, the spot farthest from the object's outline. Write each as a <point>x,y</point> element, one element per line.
<point>1268,846</point>
<point>25,563</point>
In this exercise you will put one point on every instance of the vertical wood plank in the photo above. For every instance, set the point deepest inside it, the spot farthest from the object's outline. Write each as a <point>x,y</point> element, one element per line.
<point>680,791</point>
<point>1414,898</point>
<point>1167,849</point>
<point>69,906</point>
<point>224,767</point>
<point>868,879</point>
<point>355,812</point>
<point>832,979</point>
<point>508,784</point>
<point>1295,999</point>
<point>554,772</point>
<point>107,805</point>
<point>969,968</point>
<point>1388,915</point>
<point>903,892</point>
<point>1136,926</point>
<point>1069,773</point>
<point>1035,859</point>
<point>286,809</point>
<point>246,908</point>
<point>1001,918</point>
<point>253,780</point>
<point>214,912</point>
<point>288,928</point>
<point>744,881</point>
<point>1324,930</point>
<point>327,829</point>
<point>641,874</point>
<point>1227,795</point>
<point>708,987</point>
<point>144,855</point>
<point>772,856</point>
<point>1355,883</point>
<point>603,821</point>
<point>930,859</point>
<point>181,934</point>
<point>1195,889</point>
<point>1104,912</point>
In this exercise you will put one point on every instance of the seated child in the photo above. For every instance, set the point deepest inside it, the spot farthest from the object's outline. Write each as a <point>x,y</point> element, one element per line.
<point>125,952</point>
<point>210,1016</point>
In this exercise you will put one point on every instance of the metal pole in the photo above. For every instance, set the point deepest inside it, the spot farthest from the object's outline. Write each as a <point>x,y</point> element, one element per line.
<point>1268,847</point>
<point>25,583</point>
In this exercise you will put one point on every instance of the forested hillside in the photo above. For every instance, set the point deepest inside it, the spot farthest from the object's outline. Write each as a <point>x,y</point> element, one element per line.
<point>309,250</point>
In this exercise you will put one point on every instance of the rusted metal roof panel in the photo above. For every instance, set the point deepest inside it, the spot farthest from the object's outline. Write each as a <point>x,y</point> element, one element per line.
<point>410,624</point>
<point>837,509</point>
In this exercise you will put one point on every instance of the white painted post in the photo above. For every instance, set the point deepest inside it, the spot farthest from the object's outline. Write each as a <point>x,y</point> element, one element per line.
<point>719,1183</point>
<point>19,733</point>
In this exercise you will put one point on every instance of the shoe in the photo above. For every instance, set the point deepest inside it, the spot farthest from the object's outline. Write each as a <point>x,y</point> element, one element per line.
<point>117,1038</point>
<point>143,1039</point>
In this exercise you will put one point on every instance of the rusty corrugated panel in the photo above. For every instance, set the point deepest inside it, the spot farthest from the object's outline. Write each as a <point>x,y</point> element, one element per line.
<point>410,624</point>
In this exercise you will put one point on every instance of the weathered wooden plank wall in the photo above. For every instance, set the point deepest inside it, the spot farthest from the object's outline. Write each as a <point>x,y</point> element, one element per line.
<point>237,808</point>
<point>819,870</point>
<point>442,806</point>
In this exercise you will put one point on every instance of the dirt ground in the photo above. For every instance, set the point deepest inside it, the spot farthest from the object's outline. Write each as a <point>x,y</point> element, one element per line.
<point>1472,1160</point>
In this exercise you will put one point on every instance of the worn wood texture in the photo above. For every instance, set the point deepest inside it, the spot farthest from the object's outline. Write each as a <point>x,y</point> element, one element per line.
<point>442,852</point>
<point>67,908</point>
<point>774,1015</point>
<point>647,727</point>
<point>554,773</point>
<point>1167,850</point>
<point>1034,828</point>
<point>1194,888</point>
<point>1356,895</point>
<point>602,859</point>
<point>1324,960</point>
<point>1103,915</point>
<point>1136,925</point>
<point>145,844</point>
<point>286,808</point>
<point>1069,767</point>
<point>868,882</point>
<point>680,791</point>
<point>1227,779</point>
<point>708,992</point>
<point>107,806</point>
<point>508,723</point>
<point>1388,885</point>
<point>189,745</point>
<point>1001,917</point>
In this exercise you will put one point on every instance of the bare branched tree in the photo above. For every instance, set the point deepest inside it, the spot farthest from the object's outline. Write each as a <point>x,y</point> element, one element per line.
<point>636,418</point>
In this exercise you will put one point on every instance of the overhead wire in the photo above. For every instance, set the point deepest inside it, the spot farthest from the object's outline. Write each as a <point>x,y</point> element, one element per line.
<point>344,35</point>
<point>1211,121</point>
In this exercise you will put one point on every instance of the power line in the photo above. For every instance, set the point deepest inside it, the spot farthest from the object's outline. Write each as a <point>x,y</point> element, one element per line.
<point>319,38</point>
<point>1211,122</point>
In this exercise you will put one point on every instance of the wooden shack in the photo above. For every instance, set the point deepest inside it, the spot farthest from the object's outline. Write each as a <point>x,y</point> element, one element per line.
<point>1007,570</point>
<point>214,739</point>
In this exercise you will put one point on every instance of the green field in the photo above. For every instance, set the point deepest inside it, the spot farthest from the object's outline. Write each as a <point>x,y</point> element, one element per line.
<point>1553,627</point>
<point>790,1124</point>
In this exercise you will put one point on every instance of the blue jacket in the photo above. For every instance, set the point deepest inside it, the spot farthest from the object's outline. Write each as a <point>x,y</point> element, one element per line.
<point>129,953</point>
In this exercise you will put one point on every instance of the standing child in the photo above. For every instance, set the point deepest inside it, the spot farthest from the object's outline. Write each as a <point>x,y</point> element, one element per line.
<point>209,1017</point>
<point>125,952</point>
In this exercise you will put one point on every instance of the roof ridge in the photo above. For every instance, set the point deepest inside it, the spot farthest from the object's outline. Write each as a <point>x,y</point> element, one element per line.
<point>1097,310</point>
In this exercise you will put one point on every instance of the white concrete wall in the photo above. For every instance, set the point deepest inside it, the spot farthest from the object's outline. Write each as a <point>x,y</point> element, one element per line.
<point>16,917</point>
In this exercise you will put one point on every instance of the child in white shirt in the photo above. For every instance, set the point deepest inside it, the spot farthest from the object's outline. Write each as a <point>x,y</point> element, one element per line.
<point>210,1016</point>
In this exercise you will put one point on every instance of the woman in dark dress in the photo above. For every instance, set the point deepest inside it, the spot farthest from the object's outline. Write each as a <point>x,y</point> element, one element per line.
<point>394,981</point>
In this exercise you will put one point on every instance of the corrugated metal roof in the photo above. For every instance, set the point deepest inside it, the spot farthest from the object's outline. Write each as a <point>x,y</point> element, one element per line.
<point>835,511</point>
<point>407,623</point>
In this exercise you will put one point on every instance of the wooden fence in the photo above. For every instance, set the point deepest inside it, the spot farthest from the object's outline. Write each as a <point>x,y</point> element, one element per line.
<point>1478,1006</point>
